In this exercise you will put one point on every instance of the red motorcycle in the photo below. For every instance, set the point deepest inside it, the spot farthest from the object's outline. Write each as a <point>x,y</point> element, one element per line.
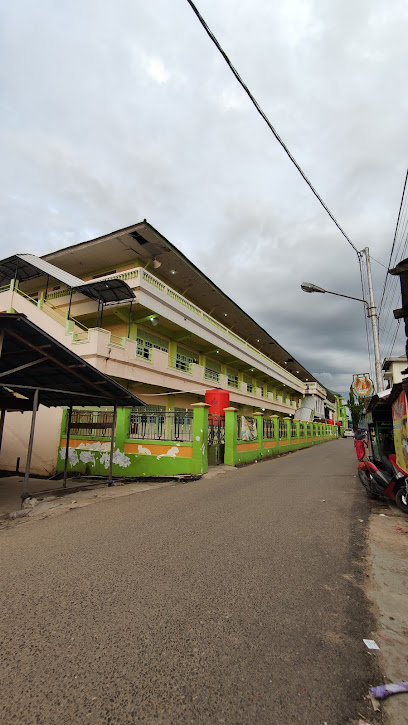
<point>384,478</point>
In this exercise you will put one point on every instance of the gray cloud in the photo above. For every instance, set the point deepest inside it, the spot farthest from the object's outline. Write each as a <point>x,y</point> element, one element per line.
<point>116,112</point>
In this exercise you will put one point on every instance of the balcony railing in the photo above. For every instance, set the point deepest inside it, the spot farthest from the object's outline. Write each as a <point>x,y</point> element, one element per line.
<point>211,375</point>
<point>142,275</point>
<point>184,365</point>
<point>233,382</point>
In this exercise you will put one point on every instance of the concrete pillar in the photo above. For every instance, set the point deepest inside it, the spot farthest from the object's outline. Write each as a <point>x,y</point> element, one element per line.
<point>259,428</point>
<point>230,454</point>
<point>200,438</point>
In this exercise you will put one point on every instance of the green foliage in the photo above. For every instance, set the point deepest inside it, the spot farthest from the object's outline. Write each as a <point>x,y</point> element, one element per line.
<point>356,407</point>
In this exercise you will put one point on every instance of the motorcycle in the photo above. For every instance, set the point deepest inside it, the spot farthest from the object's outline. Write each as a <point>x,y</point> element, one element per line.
<point>384,478</point>
<point>401,497</point>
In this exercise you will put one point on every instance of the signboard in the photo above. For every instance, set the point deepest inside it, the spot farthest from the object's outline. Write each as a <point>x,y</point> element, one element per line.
<point>399,420</point>
<point>363,386</point>
<point>248,429</point>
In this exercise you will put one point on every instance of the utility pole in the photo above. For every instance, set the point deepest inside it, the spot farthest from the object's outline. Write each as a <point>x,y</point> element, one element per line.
<point>372,314</point>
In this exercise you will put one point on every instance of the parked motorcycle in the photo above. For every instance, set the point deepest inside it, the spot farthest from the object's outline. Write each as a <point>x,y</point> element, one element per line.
<point>382,478</point>
<point>401,497</point>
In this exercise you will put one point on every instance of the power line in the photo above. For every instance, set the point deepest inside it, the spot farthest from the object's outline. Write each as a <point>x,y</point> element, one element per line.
<point>267,121</point>
<point>394,240</point>
<point>395,337</point>
<point>380,263</point>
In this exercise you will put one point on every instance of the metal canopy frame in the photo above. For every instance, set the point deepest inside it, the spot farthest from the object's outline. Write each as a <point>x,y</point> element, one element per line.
<point>27,266</point>
<point>35,369</point>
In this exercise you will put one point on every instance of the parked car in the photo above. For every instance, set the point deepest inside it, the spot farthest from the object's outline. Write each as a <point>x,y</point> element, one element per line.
<point>348,433</point>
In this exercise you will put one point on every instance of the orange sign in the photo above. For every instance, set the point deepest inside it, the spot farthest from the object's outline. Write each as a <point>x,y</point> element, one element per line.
<point>363,385</point>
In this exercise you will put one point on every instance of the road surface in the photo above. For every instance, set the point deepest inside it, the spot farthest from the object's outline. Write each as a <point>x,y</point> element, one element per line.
<point>233,600</point>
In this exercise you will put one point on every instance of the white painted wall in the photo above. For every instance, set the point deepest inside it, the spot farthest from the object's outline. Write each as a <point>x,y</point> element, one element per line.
<point>46,441</point>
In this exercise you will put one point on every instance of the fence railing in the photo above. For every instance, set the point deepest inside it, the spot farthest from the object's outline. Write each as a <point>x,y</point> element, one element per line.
<point>162,426</point>
<point>216,430</point>
<point>91,423</point>
<point>293,430</point>
<point>268,429</point>
<point>283,430</point>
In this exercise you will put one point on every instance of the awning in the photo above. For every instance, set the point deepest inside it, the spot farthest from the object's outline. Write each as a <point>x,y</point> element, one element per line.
<point>27,266</point>
<point>30,360</point>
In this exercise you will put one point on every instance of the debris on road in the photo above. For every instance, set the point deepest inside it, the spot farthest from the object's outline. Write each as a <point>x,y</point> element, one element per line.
<point>375,703</point>
<point>370,644</point>
<point>383,691</point>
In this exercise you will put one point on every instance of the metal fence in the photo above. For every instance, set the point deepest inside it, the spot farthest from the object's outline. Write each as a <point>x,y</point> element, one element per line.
<point>293,429</point>
<point>216,430</point>
<point>174,426</point>
<point>268,429</point>
<point>283,430</point>
<point>91,423</point>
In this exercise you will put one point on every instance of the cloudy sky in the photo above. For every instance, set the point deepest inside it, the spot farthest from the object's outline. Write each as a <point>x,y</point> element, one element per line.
<point>116,112</point>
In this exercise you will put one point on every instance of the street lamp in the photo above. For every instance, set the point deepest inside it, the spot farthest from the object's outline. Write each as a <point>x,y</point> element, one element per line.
<point>371,313</point>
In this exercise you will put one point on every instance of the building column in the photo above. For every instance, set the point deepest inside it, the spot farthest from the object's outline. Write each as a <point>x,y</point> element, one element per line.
<point>275,422</point>
<point>230,454</point>
<point>259,429</point>
<point>200,437</point>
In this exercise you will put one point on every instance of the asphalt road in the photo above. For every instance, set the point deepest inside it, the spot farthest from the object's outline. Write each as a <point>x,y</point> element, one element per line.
<point>232,600</point>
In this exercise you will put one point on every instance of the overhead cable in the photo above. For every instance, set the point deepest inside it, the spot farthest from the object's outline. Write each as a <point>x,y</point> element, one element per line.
<point>267,121</point>
<point>394,240</point>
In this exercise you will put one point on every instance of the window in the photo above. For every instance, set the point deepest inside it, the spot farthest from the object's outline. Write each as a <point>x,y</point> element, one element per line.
<point>146,342</point>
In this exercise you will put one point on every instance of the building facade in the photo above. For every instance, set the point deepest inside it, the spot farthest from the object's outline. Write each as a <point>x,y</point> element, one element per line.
<point>177,336</point>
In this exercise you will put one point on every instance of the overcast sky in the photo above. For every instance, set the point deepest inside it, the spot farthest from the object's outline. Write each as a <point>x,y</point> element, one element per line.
<point>116,112</point>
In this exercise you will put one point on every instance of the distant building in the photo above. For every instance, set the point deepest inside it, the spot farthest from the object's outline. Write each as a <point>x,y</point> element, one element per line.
<point>393,368</point>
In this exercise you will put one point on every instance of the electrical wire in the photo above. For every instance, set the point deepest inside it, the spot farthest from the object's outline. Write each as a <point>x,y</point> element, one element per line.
<point>395,236</point>
<point>267,121</point>
<point>380,263</point>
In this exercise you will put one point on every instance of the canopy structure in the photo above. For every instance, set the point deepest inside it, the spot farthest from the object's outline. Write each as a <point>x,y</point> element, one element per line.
<point>35,369</point>
<point>27,266</point>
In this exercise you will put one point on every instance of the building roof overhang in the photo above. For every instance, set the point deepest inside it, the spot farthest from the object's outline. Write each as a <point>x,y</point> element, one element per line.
<point>25,267</point>
<point>31,359</point>
<point>143,243</point>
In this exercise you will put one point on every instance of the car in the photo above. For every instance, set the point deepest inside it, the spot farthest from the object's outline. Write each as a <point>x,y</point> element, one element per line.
<point>348,433</point>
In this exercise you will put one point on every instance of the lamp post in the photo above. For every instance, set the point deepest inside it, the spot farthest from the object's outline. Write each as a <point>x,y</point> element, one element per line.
<point>371,313</point>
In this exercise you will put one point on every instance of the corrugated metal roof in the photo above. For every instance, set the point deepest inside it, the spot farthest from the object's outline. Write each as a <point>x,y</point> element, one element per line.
<point>50,269</point>
<point>31,358</point>
<point>29,266</point>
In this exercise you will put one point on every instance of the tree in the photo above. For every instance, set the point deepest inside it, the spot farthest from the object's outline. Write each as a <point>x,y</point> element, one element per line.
<point>356,406</point>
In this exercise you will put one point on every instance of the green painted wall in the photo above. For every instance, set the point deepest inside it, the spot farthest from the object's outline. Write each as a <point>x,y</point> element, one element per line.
<point>238,453</point>
<point>167,461</point>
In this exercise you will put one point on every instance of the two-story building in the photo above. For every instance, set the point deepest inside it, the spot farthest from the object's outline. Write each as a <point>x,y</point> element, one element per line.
<point>168,334</point>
